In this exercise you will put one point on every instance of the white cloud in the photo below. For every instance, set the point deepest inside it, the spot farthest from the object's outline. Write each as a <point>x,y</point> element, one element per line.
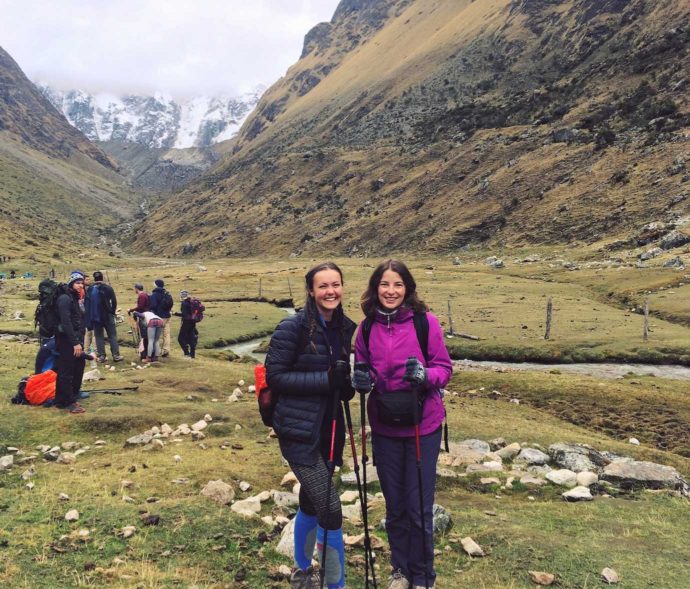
<point>185,47</point>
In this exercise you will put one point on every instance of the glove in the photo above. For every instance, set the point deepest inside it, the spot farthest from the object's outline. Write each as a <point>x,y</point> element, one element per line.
<point>415,371</point>
<point>362,378</point>
<point>339,377</point>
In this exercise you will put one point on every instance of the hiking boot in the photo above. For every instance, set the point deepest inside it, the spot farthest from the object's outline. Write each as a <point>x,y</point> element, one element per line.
<point>101,359</point>
<point>165,354</point>
<point>83,395</point>
<point>424,586</point>
<point>398,581</point>
<point>309,579</point>
<point>74,408</point>
<point>118,358</point>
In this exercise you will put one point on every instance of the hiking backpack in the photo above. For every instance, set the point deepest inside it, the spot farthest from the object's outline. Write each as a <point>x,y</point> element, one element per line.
<point>421,327</point>
<point>46,316</point>
<point>37,389</point>
<point>197,310</point>
<point>167,301</point>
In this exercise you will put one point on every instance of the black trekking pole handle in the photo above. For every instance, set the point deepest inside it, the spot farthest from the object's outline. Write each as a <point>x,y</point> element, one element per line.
<point>340,367</point>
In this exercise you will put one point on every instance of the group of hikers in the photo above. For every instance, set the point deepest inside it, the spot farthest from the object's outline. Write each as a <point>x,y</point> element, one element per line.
<point>402,364</point>
<point>75,315</point>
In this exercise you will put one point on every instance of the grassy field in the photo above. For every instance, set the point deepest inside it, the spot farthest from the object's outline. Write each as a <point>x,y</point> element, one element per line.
<point>199,544</point>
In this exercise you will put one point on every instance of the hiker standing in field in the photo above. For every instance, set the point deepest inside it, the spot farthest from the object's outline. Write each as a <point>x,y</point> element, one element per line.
<point>101,304</point>
<point>189,334</point>
<point>88,336</point>
<point>303,369</point>
<point>161,303</point>
<point>407,380</point>
<point>69,340</point>
<point>141,307</point>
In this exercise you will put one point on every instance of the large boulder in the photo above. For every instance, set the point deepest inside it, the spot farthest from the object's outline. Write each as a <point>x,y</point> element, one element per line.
<point>631,474</point>
<point>562,477</point>
<point>577,457</point>
<point>532,456</point>
<point>674,239</point>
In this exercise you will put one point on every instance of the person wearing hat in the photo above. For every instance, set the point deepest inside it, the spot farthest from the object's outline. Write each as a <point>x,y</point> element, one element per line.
<point>69,341</point>
<point>161,303</point>
<point>188,336</point>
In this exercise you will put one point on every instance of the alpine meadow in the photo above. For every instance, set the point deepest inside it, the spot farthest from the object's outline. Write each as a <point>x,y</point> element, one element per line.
<point>525,161</point>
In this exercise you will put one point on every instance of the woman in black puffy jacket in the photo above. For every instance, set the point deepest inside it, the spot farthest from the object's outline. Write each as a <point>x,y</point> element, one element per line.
<point>300,368</point>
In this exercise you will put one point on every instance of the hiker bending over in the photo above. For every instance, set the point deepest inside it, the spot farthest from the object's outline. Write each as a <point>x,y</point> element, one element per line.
<point>101,304</point>
<point>398,362</point>
<point>69,341</point>
<point>300,368</point>
<point>154,329</point>
<point>141,307</point>
<point>189,335</point>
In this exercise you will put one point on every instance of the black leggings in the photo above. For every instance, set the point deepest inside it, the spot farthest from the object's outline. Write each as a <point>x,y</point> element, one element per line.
<point>313,498</point>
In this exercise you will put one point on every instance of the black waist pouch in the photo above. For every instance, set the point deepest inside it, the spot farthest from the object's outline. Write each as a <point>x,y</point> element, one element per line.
<point>399,408</point>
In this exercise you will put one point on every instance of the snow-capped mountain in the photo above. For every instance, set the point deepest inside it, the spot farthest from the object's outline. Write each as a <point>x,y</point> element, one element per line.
<point>156,121</point>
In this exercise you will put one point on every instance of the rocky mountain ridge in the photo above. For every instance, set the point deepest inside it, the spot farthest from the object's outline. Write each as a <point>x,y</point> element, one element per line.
<point>156,121</point>
<point>437,126</point>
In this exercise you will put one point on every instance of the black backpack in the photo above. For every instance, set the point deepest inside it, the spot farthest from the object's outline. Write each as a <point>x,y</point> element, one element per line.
<point>421,327</point>
<point>46,315</point>
<point>166,301</point>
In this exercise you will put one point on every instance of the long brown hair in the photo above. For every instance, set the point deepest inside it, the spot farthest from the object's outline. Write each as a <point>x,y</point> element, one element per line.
<point>370,298</point>
<point>312,313</point>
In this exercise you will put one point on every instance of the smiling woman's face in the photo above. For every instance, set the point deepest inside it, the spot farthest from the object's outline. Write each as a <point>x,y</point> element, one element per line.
<point>327,291</point>
<point>391,290</point>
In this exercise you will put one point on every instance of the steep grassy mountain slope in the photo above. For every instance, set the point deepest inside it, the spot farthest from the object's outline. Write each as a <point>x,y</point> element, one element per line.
<point>55,185</point>
<point>434,125</point>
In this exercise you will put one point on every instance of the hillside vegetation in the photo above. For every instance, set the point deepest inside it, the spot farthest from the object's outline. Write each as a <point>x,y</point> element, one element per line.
<point>432,125</point>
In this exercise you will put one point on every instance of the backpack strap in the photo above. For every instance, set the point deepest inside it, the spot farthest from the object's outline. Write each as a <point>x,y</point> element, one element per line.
<point>366,331</point>
<point>421,326</point>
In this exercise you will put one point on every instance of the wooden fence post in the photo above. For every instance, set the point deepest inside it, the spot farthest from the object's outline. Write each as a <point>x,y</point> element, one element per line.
<point>289,287</point>
<point>549,313</point>
<point>259,287</point>
<point>645,329</point>
<point>450,320</point>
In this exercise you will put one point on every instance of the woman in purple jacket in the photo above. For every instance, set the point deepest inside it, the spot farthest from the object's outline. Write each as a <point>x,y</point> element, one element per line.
<point>393,352</point>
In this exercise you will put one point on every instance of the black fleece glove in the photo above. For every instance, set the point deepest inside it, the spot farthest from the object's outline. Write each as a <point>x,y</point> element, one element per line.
<point>339,378</point>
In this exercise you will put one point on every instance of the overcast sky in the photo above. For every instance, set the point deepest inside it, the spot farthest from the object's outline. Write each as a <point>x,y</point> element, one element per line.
<point>185,47</point>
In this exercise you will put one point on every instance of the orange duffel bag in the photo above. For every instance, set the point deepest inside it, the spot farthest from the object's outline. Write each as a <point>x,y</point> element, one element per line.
<point>40,387</point>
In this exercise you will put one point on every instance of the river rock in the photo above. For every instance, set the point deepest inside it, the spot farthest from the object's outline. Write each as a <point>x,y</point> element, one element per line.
<point>586,479</point>
<point>532,456</point>
<point>562,477</point>
<point>630,474</point>
<point>219,491</point>
<point>577,457</point>
<point>578,494</point>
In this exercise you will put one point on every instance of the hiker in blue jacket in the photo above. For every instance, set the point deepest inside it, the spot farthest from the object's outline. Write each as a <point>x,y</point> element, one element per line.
<point>100,305</point>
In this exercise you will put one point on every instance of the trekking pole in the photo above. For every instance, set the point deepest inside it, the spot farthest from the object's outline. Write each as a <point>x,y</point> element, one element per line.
<point>417,419</point>
<point>368,552</point>
<point>112,391</point>
<point>340,369</point>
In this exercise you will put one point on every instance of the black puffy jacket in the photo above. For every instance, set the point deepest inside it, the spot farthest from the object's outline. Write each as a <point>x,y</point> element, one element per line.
<point>297,370</point>
<point>72,321</point>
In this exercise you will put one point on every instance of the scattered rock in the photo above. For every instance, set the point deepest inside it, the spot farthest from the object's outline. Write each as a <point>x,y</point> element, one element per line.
<point>541,578</point>
<point>72,515</point>
<point>247,507</point>
<point>530,481</point>
<point>244,486</point>
<point>586,479</point>
<point>509,451</point>
<point>67,458</point>
<point>497,444</point>
<point>674,239</point>
<point>6,462</point>
<point>631,474</point>
<point>442,521</point>
<point>577,457</point>
<point>349,496</point>
<point>127,532</point>
<point>610,576</point>
<point>288,480</point>
<point>283,499</point>
<point>471,547</point>
<point>562,477</point>
<point>650,254</point>
<point>578,494</point>
<point>219,491</point>
<point>494,262</point>
<point>140,440</point>
<point>532,456</point>
<point>634,441</point>
<point>92,376</point>
<point>286,546</point>
<point>200,425</point>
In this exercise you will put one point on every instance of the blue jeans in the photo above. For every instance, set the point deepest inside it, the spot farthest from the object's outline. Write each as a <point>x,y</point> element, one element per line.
<point>396,465</point>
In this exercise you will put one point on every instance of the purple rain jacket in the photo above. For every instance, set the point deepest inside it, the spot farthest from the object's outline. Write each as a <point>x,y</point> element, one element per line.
<point>391,341</point>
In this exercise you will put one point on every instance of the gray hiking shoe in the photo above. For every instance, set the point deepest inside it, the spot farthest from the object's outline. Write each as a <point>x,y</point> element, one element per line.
<point>398,581</point>
<point>309,579</point>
